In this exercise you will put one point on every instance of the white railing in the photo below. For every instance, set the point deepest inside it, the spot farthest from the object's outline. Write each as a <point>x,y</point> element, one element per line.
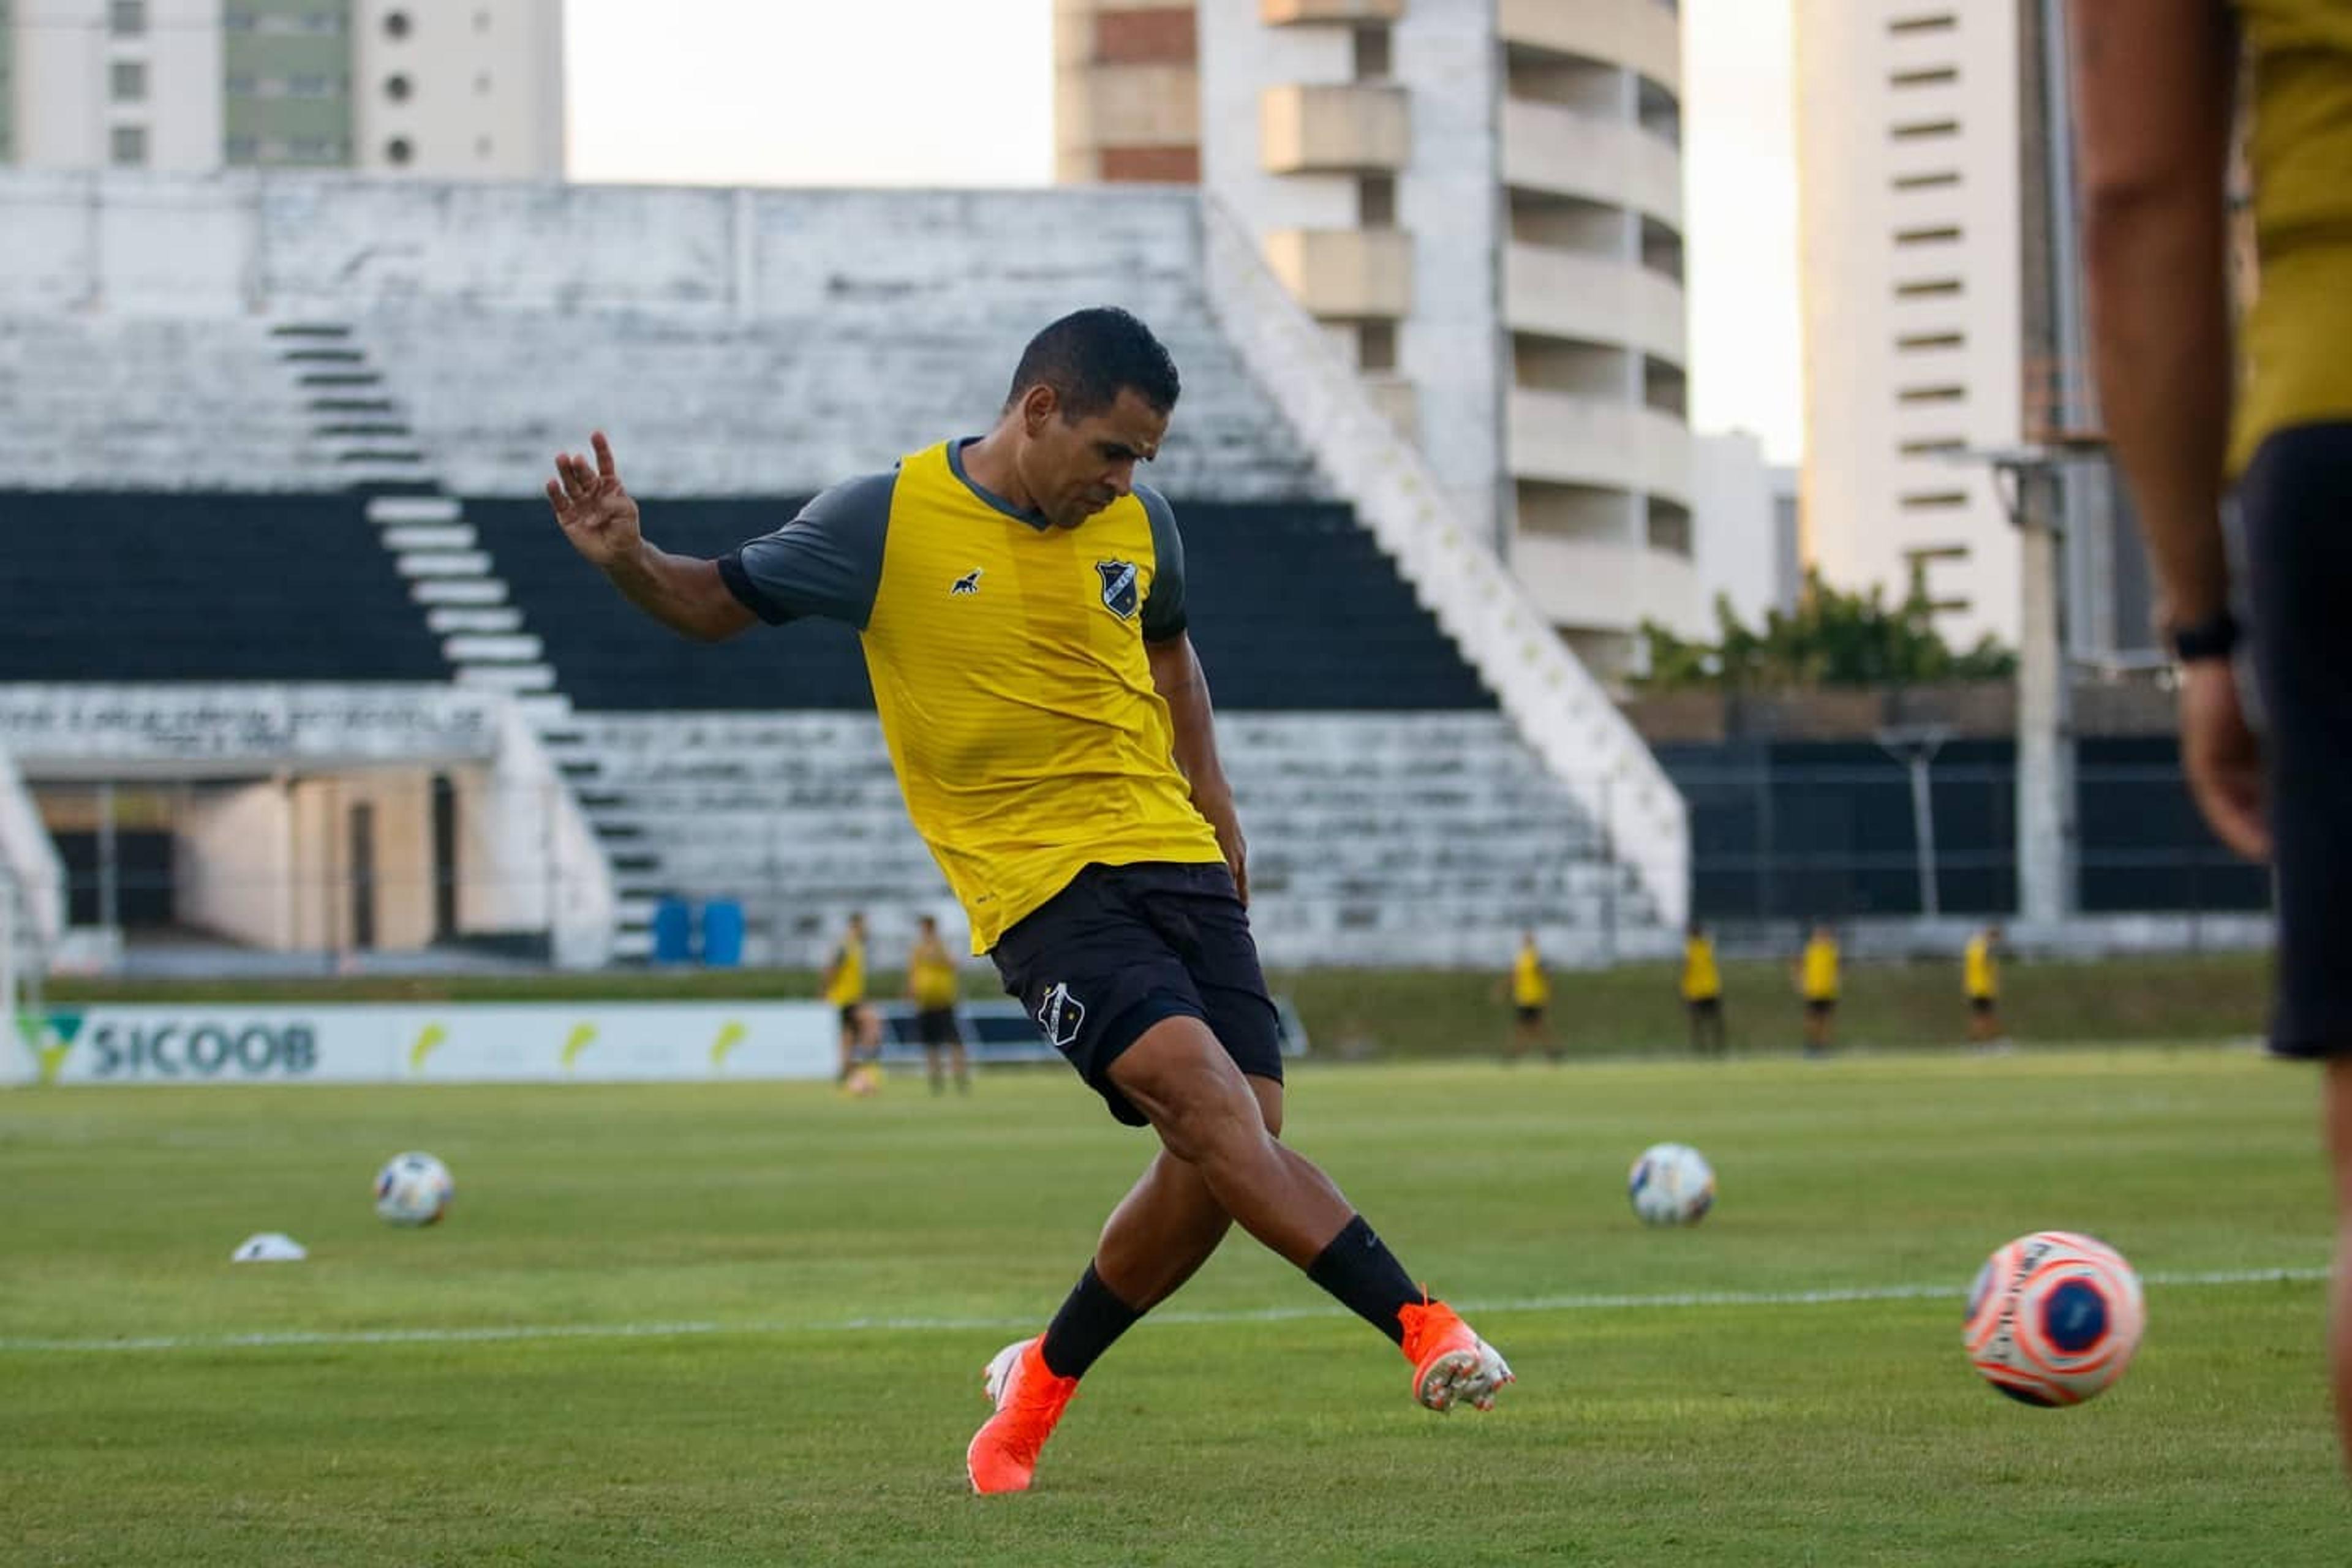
<point>29,864</point>
<point>1555,704</point>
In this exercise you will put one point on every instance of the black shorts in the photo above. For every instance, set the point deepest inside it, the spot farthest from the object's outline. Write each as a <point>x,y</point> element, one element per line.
<point>1820,1007</point>
<point>1528,1014</point>
<point>1123,947</point>
<point>2297,498</point>
<point>1705,1006</point>
<point>1981,1007</point>
<point>936,1026</point>
<point>849,1016</point>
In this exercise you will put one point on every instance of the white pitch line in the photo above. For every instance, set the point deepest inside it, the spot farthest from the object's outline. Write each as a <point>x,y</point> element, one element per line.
<point>296,1340</point>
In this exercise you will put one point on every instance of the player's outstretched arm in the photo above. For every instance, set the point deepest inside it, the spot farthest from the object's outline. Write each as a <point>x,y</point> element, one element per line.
<point>600,518</point>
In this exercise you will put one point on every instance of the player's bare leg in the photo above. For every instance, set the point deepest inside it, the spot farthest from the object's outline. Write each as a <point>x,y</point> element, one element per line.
<point>2336,1093</point>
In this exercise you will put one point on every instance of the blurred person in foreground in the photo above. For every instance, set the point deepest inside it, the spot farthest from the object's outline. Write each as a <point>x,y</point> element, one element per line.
<point>1050,727</point>
<point>2154,81</point>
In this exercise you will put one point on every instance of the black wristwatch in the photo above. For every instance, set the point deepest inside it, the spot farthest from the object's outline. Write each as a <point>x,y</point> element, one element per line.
<point>2216,637</point>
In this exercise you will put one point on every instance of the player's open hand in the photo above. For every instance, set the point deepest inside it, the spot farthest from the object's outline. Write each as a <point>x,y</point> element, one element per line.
<point>594,509</point>
<point>2223,758</point>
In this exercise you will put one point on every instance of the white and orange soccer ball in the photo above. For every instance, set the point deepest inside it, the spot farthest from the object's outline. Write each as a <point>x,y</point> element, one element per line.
<point>2054,1318</point>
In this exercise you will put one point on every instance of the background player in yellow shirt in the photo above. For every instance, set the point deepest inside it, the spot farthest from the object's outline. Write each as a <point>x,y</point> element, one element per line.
<point>1530,997</point>
<point>931,984</point>
<point>1021,603</point>
<point>1817,983</point>
<point>2154,84</point>
<point>842,985</point>
<point>1702,990</point>
<point>1980,979</point>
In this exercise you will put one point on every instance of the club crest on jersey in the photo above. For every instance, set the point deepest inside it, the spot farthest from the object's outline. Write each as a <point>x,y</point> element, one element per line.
<point>1059,1015</point>
<point>967,584</point>
<point>1118,579</point>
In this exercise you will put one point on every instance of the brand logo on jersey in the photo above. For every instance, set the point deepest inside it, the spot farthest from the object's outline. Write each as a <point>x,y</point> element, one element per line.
<point>1119,593</point>
<point>967,584</point>
<point>1059,1015</point>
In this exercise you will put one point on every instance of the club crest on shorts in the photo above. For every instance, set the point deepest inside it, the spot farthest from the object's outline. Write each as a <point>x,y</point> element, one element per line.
<point>1118,579</point>
<point>1059,1015</point>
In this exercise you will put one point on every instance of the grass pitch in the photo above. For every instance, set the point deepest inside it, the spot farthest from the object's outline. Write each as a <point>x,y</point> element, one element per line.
<point>744,1325</point>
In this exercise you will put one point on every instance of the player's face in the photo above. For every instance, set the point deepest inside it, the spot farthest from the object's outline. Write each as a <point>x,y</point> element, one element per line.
<point>1077,469</point>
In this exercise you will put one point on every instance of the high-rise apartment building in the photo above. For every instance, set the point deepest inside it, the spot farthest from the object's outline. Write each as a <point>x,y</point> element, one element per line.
<point>1942,315</point>
<point>1481,201</point>
<point>443,88</point>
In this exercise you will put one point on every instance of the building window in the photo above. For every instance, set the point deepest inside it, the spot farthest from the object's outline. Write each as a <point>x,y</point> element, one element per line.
<point>1924,130</point>
<point>1932,394</point>
<point>1940,22</point>
<point>395,24</point>
<point>1928,289</point>
<point>127,18</point>
<point>1934,180</point>
<point>1669,527</point>
<point>397,89</point>
<point>1945,235</point>
<point>1373,62</point>
<point>1376,346</point>
<point>1939,76</point>
<point>127,146</point>
<point>1932,501</point>
<point>1933,446</point>
<point>1376,201</point>
<point>399,150</point>
<point>127,81</point>
<point>1916,342</point>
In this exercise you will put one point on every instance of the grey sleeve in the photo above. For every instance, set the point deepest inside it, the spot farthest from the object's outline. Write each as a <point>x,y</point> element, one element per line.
<point>826,562</point>
<point>1164,607</point>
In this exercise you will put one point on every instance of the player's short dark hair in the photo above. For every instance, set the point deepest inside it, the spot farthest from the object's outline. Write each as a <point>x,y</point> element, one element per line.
<point>1089,357</point>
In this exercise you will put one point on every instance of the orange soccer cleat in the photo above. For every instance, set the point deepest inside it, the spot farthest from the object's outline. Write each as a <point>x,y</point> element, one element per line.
<point>1029,1400</point>
<point>1450,1363</point>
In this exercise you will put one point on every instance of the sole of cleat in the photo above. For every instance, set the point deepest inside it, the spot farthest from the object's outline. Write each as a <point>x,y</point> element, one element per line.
<point>1459,1376</point>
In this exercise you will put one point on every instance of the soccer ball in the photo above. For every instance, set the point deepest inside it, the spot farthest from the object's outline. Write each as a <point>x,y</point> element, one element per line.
<point>2054,1318</point>
<point>1671,1183</point>
<point>412,1189</point>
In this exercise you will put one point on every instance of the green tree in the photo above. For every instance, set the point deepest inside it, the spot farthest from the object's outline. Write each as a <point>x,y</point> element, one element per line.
<point>1833,638</point>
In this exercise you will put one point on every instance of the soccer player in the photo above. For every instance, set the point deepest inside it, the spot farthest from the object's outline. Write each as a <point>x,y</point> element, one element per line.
<point>844,986</point>
<point>1530,995</point>
<point>1703,991</point>
<point>1021,602</point>
<point>1980,979</point>
<point>931,984</point>
<point>2153,90</point>
<point>1817,982</point>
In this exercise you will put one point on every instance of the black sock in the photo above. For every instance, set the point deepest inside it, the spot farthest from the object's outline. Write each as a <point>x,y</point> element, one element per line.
<point>1359,1268</point>
<point>1090,1320</point>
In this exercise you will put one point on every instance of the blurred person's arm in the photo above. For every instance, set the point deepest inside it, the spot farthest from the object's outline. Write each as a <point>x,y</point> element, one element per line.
<point>2152,90</point>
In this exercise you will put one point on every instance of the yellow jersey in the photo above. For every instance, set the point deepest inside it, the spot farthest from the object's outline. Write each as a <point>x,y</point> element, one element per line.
<point>1701,981</point>
<point>931,976</point>
<point>1008,665</point>
<point>2295,342</point>
<point>1529,986</point>
<point>848,984</point>
<point>1980,972</point>
<point>1820,971</point>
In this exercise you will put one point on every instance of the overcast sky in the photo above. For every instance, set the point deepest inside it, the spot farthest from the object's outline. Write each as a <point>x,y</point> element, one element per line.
<point>960,92</point>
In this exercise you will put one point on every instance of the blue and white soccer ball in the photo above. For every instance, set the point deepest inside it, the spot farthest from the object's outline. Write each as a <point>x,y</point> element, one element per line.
<point>1671,1183</point>
<point>412,1189</point>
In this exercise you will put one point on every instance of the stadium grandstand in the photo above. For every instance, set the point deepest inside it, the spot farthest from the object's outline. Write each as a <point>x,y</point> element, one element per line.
<point>270,456</point>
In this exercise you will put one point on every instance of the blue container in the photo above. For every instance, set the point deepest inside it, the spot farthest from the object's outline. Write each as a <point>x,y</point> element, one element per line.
<point>673,932</point>
<point>722,933</point>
